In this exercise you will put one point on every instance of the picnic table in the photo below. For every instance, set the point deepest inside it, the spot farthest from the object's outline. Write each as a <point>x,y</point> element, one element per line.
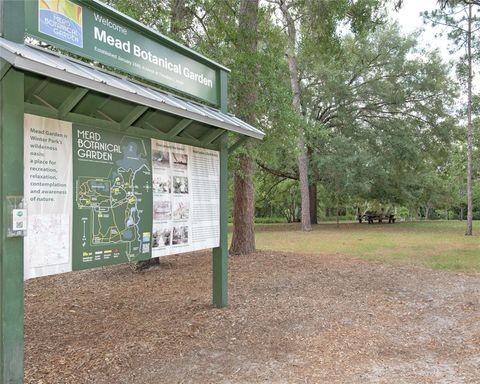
<point>381,217</point>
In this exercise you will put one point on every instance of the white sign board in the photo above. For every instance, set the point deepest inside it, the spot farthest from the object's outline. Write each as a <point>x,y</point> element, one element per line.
<point>185,198</point>
<point>48,196</point>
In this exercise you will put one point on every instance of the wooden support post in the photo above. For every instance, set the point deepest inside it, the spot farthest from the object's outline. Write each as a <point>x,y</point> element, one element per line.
<point>11,249</point>
<point>220,254</point>
<point>12,27</point>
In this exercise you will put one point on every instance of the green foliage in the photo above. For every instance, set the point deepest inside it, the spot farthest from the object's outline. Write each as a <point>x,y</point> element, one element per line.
<point>451,21</point>
<point>278,198</point>
<point>379,117</point>
<point>378,111</point>
<point>153,13</point>
<point>270,220</point>
<point>403,212</point>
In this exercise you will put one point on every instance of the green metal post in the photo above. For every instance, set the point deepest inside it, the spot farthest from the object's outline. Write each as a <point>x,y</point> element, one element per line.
<point>11,184</point>
<point>224,91</point>
<point>220,254</point>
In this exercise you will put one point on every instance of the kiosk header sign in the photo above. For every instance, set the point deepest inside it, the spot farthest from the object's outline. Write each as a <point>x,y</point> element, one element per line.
<point>98,33</point>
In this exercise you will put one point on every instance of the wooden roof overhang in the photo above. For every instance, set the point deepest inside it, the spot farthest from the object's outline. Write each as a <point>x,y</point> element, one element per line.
<point>62,88</point>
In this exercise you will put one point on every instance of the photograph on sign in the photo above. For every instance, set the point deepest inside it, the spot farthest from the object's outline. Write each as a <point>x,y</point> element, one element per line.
<point>179,160</point>
<point>181,208</point>
<point>161,159</point>
<point>162,234</point>
<point>162,184</point>
<point>180,235</point>
<point>188,169</point>
<point>162,208</point>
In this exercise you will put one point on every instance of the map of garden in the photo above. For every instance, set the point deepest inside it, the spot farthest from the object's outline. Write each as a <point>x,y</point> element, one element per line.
<point>115,216</point>
<point>113,202</point>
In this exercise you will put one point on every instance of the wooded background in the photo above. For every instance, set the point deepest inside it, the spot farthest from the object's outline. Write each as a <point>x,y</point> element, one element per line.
<point>357,115</point>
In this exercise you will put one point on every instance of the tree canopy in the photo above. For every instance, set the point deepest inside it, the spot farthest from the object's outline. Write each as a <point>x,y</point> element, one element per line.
<point>349,104</point>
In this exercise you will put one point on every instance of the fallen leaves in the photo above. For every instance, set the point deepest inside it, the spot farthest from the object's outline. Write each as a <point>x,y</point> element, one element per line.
<point>292,318</point>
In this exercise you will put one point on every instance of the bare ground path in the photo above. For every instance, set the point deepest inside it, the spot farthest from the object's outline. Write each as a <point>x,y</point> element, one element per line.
<point>292,319</point>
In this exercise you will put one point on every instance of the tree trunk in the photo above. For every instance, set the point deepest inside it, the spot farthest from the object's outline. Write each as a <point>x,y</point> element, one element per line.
<point>427,211</point>
<point>178,18</point>
<point>338,216</point>
<point>469,229</point>
<point>312,190</point>
<point>243,238</point>
<point>297,106</point>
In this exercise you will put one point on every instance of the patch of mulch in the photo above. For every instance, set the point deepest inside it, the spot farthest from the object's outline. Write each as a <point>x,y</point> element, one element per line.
<point>292,319</point>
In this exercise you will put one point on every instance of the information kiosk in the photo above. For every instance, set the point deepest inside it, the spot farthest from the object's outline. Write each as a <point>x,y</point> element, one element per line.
<point>98,168</point>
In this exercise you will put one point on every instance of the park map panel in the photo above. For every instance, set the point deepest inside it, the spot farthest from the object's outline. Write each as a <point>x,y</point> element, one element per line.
<point>132,198</point>
<point>112,216</point>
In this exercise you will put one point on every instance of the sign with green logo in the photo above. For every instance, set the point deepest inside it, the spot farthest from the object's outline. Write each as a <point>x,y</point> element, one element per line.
<point>96,32</point>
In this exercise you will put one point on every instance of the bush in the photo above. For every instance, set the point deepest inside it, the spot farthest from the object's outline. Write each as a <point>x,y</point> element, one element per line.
<point>270,220</point>
<point>340,218</point>
<point>403,212</point>
<point>265,220</point>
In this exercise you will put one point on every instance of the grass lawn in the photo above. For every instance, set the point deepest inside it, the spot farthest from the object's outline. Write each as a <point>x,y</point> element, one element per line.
<point>436,245</point>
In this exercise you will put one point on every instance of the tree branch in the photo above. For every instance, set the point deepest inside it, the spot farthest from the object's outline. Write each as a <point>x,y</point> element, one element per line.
<point>276,172</point>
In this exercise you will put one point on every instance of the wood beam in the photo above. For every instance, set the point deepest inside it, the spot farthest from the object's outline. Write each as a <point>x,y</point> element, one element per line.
<point>153,132</point>
<point>106,116</point>
<point>132,117</point>
<point>71,101</point>
<point>157,131</point>
<point>44,102</point>
<point>187,135</point>
<point>238,143</point>
<point>179,128</point>
<point>210,137</point>
<point>4,67</point>
<point>39,88</point>
<point>99,108</point>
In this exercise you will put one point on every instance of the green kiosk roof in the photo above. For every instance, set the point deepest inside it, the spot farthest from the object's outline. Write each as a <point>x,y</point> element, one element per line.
<point>50,65</point>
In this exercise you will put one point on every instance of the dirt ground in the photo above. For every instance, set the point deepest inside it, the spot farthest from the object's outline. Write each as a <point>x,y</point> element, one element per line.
<point>292,319</point>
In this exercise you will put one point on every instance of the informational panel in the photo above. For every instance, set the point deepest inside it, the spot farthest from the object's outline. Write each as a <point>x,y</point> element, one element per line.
<point>98,33</point>
<point>113,198</point>
<point>48,196</point>
<point>185,198</point>
<point>96,197</point>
